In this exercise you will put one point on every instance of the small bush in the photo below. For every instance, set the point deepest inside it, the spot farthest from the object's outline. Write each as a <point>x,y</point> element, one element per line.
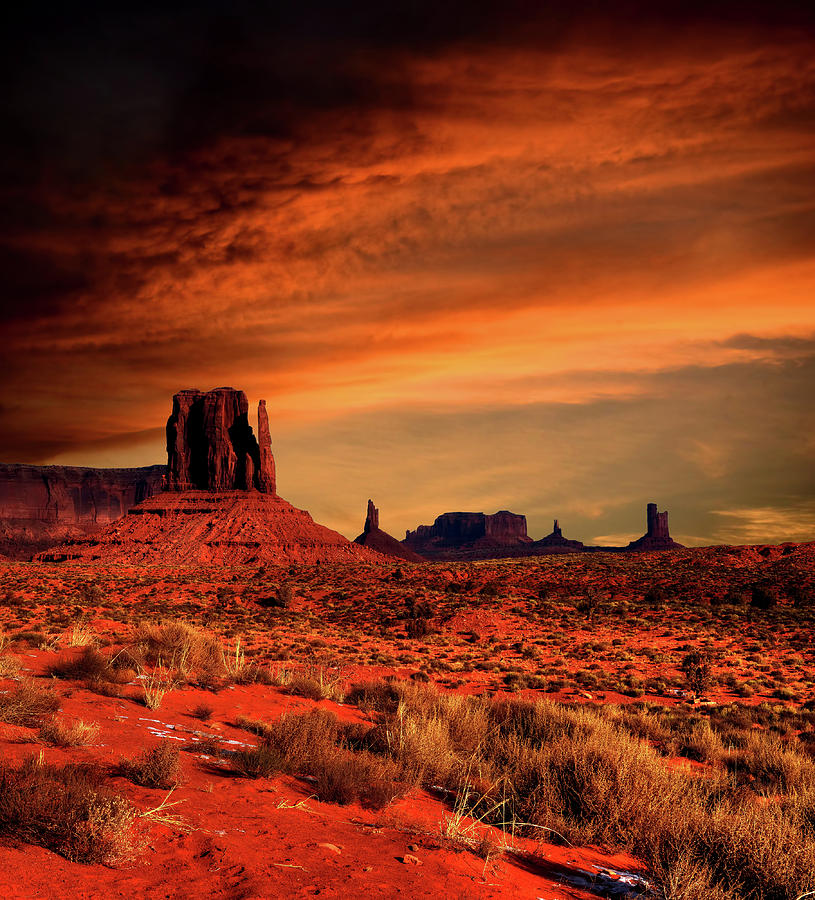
<point>90,665</point>
<point>203,712</point>
<point>156,767</point>
<point>28,704</point>
<point>697,668</point>
<point>761,598</point>
<point>67,810</point>
<point>68,734</point>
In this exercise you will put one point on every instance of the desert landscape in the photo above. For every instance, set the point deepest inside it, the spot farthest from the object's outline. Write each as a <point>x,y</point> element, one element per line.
<point>214,695</point>
<point>406,450</point>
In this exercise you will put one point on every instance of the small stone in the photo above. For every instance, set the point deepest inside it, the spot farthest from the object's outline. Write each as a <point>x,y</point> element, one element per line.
<point>410,860</point>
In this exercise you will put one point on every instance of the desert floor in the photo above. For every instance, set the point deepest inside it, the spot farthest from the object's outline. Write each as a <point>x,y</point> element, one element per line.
<point>693,652</point>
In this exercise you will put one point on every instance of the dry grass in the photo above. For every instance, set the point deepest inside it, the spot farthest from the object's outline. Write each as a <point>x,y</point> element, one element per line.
<point>79,636</point>
<point>155,685</point>
<point>92,666</point>
<point>187,651</point>
<point>575,773</point>
<point>313,744</point>
<point>59,733</point>
<point>28,704</point>
<point>315,683</point>
<point>155,767</point>
<point>67,810</point>
<point>9,665</point>
<point>203,712</point>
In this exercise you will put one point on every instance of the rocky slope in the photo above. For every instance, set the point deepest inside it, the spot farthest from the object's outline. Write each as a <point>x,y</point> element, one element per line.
<point>208,527</point>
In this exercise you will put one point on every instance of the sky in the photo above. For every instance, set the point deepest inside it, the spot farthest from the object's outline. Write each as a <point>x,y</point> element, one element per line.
<point>551,258</point>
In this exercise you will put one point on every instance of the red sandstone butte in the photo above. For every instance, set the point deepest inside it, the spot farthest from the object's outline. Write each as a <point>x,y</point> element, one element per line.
<point>656,536</point>
<point>211,446</point>
<point>220,505</point>
<point>374,538</point>
<point>462,535</point>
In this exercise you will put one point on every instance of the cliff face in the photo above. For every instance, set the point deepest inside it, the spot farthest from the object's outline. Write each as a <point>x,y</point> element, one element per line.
<point>461,535</point>
<point>42,505</point>
<point>211,445</point>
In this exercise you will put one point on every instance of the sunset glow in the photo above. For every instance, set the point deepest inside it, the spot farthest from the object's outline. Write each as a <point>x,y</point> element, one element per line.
<point>558,271</point>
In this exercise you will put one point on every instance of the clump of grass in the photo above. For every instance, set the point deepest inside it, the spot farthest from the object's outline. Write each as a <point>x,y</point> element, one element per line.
<point>313,744</point>
<point>315,683</point>
<point>90,665</point>
<point>68,734</point>
<point>79,636</point>
<point>155,767</point>
<point>9,665</point>
<point>68,810</point>
<point>154,686</point>
<point>189,650</point>
<point>203,712</point>
<point>28,704</point>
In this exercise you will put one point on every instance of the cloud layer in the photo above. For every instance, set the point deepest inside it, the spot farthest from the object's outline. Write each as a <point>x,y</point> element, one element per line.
<point>552,263</point>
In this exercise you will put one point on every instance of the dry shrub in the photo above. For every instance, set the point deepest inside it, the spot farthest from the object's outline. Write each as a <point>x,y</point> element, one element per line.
<point>79,636</point>
<point>203,712</point>
<point>182,648</point>
<point>90,665</point>
<point>9,665</point>
<point>154,767</point>
<point>67,810</point>
<point>28,704</point>
<point>346,777</point>
<point>68,734</point>
<point>155,685</point>
<point>315,684</point>
<point>313,744</point>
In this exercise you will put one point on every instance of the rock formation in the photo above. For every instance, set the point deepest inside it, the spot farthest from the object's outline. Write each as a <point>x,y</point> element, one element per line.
<point>213,528</point>
<point>556,543</point>
<point>374,538</point>
<point>220,506</point>
<point>211,446</point>
<point>656,536</point>
<point>43,505</point>
<point>465,535</point>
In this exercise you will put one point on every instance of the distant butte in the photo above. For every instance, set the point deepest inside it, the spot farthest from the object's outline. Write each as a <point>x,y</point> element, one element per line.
<point>374,538</point>
<point>556,543</point>
<point>43,505</point>
<point>656,536</point>
<point>219,505</point>
<point>468,535</point>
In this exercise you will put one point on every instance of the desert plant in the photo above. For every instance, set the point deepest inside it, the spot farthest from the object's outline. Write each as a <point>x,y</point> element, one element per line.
<point>91,665</point>
<point>28,704</point>
<point>67,810</point>
<point>68,734</point>
<point>155,767</point>
<point>697,668</point>
<point>202,711</point>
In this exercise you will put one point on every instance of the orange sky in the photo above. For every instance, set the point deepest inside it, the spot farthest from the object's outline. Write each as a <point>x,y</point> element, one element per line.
<point>562,278</point>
